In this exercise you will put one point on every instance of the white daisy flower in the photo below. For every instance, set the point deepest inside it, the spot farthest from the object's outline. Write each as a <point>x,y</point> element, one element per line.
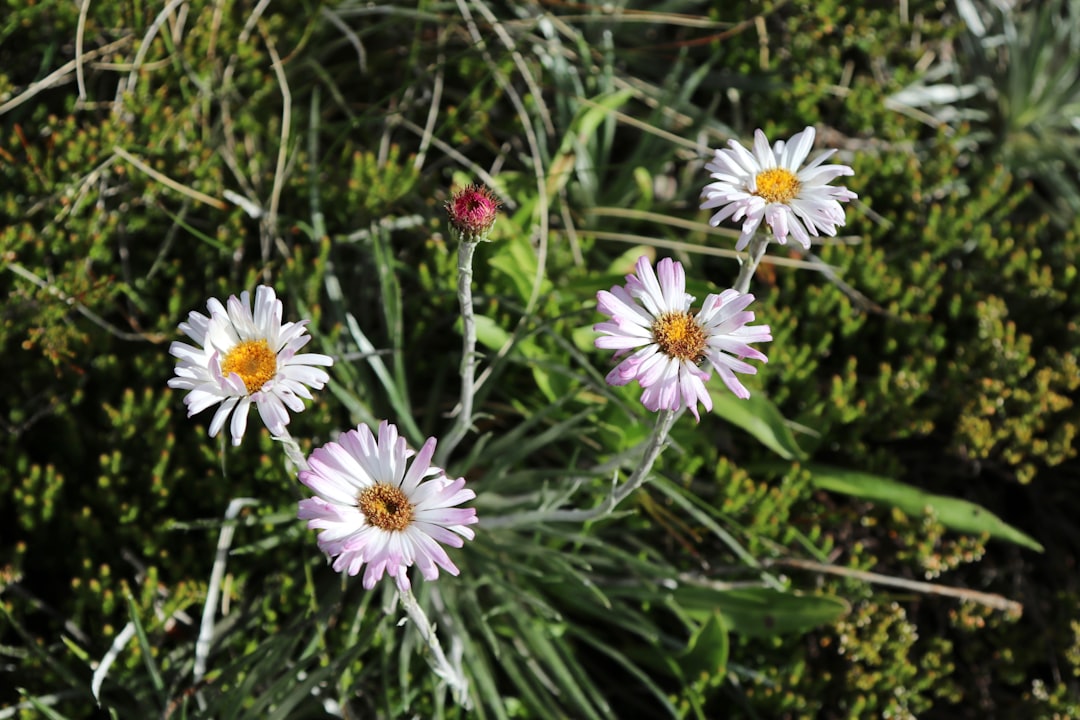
<point>769,185</point>
<point>241,358</point>
<point>654,315</point>
<point>373,507</point>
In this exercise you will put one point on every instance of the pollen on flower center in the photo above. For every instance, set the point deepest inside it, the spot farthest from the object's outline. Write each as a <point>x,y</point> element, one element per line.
<point>386,507</point>
<point>253,361</point>
<point>777,185</point>
<point>680,336</point>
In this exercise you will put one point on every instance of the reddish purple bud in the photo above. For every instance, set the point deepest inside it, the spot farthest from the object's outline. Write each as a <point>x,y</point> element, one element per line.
<point>472,212</point>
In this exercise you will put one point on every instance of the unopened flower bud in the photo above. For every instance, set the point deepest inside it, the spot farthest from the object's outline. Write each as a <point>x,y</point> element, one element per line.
<point>472,212</point>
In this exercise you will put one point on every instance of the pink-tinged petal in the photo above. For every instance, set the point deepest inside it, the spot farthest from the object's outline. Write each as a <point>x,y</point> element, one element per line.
<point>693,390</point>
<point>617,377</point>
<point>186,352</point>
<point>239,314</point>
<point>733,384</point>
<point>620,342</point>
<point>374,573</point>
<point>329,488</point>
<point>291,337</point>
<point>756,333</point>
<point>672,283</point>
<point>452,535</point>
<point>311,508</point>
<point>722,362</point>
<point>312,359</point>
<point>659,397</point>
<point>744,237</point>
<point>645,288</point>
<point>239,420</point>
<point>623,308</point>
<point>799,232</point>
<point>431,557</point>
<point>825,174</point>
<point>654,368</point>
<point>725,212</point>
<point>183,382</point>
<point>741,157</point>
<point>221,416</point>
<point>763,154</point>
<point>334,461</point>
<point>268,310</point>
<point>419,467</point>
<point>272,412</point>
<point>797,150</point>
<point>777,218</point>
<point>294,390</point>
<point>285,395</point>
<point>203,397</point>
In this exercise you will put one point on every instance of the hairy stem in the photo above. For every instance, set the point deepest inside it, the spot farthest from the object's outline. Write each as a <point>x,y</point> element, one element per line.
<point>754,253</point>
<point>463,419</point>
<point>441,666</point>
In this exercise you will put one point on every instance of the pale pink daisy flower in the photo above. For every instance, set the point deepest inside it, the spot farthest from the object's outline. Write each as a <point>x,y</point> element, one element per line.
<point>769,185</point>
<point>654,315</point>
<point>243,358</point>
<point>373,507</point>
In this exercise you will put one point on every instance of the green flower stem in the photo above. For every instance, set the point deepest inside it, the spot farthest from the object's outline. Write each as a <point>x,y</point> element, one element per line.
<point>754,253</point>
<point>656,443</point>
<point>463,419</point>
<point>442,667</point>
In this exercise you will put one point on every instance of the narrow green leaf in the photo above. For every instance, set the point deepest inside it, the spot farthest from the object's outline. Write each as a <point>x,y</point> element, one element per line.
<point>592,114</point>
<point>46,712</point>
<point>147,650</point>
<point>212,242</point>
<point>762,611</point>
<point>758,416</point>
<point>391,305</point>
<point>953,513</point>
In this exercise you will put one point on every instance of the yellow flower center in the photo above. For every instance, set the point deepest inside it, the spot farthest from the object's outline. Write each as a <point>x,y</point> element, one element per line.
<point>777,185</point>
<point>679,336</point>
<point>253,361</point>
<point>386,507</point>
